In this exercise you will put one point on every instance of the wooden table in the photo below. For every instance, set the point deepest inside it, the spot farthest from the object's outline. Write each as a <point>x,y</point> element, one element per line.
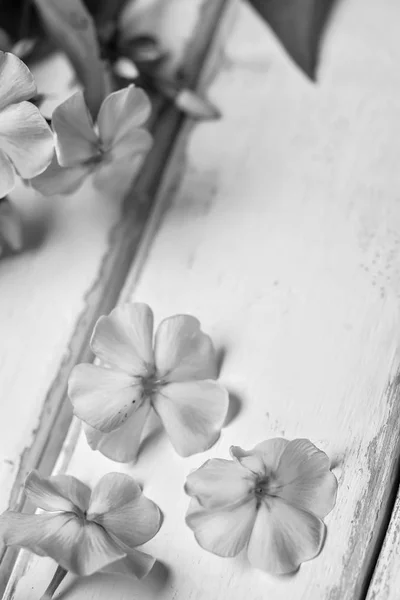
<point>279,227</point>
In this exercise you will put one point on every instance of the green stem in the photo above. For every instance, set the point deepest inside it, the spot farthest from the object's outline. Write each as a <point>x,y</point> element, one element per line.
<point>54,583</point>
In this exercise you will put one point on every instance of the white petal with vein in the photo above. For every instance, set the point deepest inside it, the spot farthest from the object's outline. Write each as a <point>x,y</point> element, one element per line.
<point>26,139</point>
<point>103,398</point>
<point>124,338</point>
<point>223,532</point>
<point>219,483</point>
<point>283,537</point>
<point>122,444</point>
<point>182,351</point>
<point>192,413</point>
<point>305,478</point>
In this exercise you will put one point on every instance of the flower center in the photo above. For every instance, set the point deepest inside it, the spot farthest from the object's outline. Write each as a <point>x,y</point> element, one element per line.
<point>262,487</point>
<point>151,385</point>
<point>95,159</point>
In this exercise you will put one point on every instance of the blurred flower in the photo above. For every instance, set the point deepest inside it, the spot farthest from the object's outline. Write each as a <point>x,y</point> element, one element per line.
<point>112,150</point>
<point>10,227</point>
<point>176,379</point>
<point>82,530</point>
<point>270,500</point>
<point>26,141</point>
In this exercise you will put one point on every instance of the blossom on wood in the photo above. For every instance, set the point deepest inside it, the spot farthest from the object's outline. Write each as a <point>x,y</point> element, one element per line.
<point>86,531</point>
<point>176,379</point>
<point>110,151</point>
<point>270,500</point>
<point>26,141</point>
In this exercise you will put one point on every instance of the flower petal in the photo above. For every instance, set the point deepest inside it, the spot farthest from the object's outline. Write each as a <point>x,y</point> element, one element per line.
<point>223,532</point>
<point>58,492</point>
<point>192,413</point>
<point>263,459</point>
<point>16,80</point>
<point>124,339</point>
<point>76,140</point>
<point>219,483</point>
<point>304,478</point>
<point>134,563</point>
<point>119,506</point>
<point>26,138</point>
<point>120,167</point>
<point>135,142</point>
<point>7,175</point>
<point>283,537</point>
<point>182,351</point>
<point>103,398</point>
<point>121,111</point>
<point>113,491</point>
<point>80,548</point>
<point>122,444</point>
<point>60,180</point>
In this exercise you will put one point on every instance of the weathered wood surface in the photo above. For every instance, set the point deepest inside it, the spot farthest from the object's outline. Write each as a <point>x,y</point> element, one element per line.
<point>79,250</point>
<point>283,238</point>
<point>385,584</point>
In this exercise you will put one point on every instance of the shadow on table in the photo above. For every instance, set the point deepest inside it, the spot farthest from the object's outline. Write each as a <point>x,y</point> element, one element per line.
<point>119,587</point>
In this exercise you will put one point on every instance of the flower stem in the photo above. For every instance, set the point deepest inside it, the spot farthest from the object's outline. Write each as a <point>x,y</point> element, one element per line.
<point>54,583</point>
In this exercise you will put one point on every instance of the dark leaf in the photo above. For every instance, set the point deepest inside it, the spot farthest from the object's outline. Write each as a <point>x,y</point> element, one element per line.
<point>72,28</point>
<point>299,25</point>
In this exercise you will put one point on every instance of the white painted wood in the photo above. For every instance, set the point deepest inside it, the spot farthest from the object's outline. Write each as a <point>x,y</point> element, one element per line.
<point>283,238</point>
<point>385,584</point>
<point>45,290</point>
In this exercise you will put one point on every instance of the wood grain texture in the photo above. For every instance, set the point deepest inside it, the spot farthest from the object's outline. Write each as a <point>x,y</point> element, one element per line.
<point>282,237</point>
<point>385,584</point>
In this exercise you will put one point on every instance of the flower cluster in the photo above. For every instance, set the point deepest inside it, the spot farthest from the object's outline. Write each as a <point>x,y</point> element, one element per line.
<point>270,500</point>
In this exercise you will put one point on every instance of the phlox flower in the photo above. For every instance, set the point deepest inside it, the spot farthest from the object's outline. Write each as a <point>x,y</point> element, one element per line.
<point>269,501</point>
<point>26,141</point>
<point>10,227</point>
<point>175,378</point>
<point>110,151</point>
<point>86,531</point>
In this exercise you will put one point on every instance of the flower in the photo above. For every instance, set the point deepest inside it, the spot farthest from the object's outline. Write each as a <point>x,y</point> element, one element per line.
<point>111,151</point>
<point>176,379</point>
<point>26,141</point>
<point>270,500</point>
<point>86,531</point>
<point>10,227</point>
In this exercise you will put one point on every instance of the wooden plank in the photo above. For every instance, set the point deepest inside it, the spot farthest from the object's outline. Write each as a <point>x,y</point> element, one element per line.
<point>52,294</point>
<point>71,277</point>
<point>385,583</point>
<point>282,237</point>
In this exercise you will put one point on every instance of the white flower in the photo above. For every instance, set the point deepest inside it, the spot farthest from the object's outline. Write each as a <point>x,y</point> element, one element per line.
<point>270,500</point>
<point>86,531</point>
<point>175,379</point>
<point>26,141</point>
<point>111,151</point>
